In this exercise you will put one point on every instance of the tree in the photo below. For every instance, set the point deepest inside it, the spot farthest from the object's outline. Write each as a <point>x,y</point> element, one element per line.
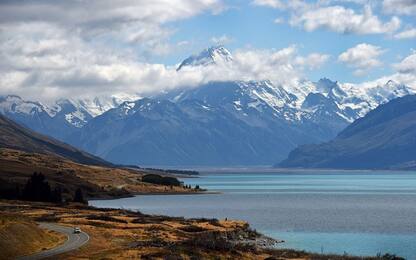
<point>79,196</point>
<point>57,195</point>
<point>9,191</point>
<point>37,188</point>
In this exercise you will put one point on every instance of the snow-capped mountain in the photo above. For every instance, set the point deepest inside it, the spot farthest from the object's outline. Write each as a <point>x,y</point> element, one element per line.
<point>226,123</point>
<point>60,118</point>
<point>210,56</point>
<point>385,138</point>
<point>218,123</point>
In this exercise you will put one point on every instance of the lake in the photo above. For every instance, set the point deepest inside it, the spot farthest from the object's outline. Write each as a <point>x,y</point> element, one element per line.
<point>360,213</point>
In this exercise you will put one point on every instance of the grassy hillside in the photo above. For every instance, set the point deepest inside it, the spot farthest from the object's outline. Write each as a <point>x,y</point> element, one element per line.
<point>96,181</point>
<point>14,136</point>
<point>123,234</point>
<point>20,235</point>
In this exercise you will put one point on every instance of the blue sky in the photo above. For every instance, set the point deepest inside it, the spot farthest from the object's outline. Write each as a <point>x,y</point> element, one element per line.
<point>51,49</point>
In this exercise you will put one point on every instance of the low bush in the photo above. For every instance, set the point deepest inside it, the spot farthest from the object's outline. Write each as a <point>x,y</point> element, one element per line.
<point>161,180</point>
<point>106,218</point>
<point>48,218</point>
<point>192,229</point>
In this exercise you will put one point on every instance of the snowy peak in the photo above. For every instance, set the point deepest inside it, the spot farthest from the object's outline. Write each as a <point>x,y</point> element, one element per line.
<point>13,104</point>
<point>325,85</point>
<point>213,55</point>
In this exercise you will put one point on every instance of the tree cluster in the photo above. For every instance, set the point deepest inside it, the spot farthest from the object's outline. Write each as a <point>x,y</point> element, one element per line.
<point>161,180</point>
<point>37,188</point>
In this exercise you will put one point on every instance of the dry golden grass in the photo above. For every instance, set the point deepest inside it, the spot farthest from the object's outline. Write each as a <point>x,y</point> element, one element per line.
<point>21,236</point>
<point>17,166</point>
<point>121,234</point>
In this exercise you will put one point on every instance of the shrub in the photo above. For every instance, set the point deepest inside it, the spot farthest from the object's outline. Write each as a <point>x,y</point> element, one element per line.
<point>106,218</point>
<point>79,197</point>
<point>192,229</point>
<point>161,180</point>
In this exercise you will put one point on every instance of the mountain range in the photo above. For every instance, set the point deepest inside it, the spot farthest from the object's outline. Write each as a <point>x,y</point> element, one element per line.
<point>60,118</point>
<point>215,124</point>
<point>383,139</point>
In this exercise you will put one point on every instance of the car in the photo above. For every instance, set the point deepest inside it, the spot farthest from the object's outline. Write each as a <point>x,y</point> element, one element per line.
<point>77,230</point>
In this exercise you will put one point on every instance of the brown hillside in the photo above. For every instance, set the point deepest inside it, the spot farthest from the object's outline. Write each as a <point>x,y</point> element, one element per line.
<point>14,136</point>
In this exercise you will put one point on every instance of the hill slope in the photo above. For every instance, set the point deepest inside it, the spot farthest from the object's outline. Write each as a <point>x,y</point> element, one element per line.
<point>14,136</point>
<point>384,138</point>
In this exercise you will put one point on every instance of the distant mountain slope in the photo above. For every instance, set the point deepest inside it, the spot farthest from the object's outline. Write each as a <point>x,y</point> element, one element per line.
<point>221,123</point>
<point>384,138</point>
<point>14,136</point>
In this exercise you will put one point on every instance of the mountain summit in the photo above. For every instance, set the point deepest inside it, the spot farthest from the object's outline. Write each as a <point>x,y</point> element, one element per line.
<point>212,55</point>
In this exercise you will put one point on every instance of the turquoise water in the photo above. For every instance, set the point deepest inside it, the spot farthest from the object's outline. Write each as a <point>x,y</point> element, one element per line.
<point>359,213</point>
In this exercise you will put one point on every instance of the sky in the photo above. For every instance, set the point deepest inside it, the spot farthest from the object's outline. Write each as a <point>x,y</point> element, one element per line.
<point>52,49</point>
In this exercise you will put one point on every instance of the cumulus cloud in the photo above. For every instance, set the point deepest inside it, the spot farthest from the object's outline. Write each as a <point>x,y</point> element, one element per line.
<point>405,74</point>
<point>62,66</point>
<point>283,66</point>
<point>407,7</point>
<point>407,34</point>
<point>270,3</point>
<point>407,65</point>
<point>344,20</point>
<point>362,57</point>
<point>221,40</point>
<point>51,49</point>
<point>279,20</point>
<point>138,22</point>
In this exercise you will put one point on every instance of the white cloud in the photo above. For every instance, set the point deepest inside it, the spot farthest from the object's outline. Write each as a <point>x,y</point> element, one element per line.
<point>407,65</point>
<point>407,7</point>
<point>61,66</point>
<point>343,20</point>
<point>140,23</point>
<point>362,57</point>
<point>283,66</point>
<point>278,20</point>
<point>51,49</point>
<point>407,34</point>
<point>221,40</point>
<point>270,3</point>
<point>313,60</point>
<point>405,74</point>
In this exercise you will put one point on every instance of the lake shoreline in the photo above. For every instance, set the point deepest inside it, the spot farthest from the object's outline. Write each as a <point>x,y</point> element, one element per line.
<point>303,209</point>
<point>146,236</point>
<point>267,169</point>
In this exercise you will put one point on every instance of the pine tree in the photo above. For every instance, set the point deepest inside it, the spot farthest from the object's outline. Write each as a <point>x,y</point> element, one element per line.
<point>79,197</point>
<point>57,195</point>
<point>37,188</point>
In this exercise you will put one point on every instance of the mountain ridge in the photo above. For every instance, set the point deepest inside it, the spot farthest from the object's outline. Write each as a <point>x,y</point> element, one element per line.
<point>14,136</point>
<point>383,139</point>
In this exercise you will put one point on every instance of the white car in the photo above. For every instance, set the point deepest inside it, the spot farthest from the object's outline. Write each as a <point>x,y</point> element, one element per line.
<point>77,230</point>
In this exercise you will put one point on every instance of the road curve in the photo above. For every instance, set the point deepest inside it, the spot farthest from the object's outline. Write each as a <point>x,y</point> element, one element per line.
<point>74,241</point>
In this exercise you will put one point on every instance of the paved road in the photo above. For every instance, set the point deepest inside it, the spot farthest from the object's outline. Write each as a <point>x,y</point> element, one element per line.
<point>73,242</point>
